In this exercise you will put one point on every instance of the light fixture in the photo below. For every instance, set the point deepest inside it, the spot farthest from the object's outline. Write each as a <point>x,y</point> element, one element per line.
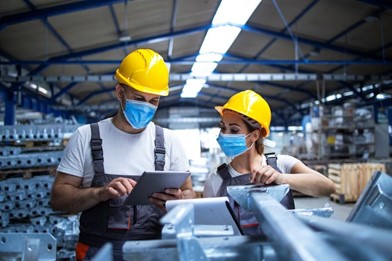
<point>231,14</point>
<point>382,96</point>
<point>192,88</point>
<point>125,38</point>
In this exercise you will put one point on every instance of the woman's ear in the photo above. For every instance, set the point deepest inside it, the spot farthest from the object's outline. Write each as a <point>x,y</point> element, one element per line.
<point>255,135</point>
<point>263,132</point>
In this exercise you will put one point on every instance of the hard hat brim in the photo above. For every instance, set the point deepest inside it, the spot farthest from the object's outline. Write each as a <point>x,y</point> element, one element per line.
<point>219,109</point>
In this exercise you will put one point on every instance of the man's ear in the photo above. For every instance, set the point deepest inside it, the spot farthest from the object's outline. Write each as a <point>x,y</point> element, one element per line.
<point>119,92</point>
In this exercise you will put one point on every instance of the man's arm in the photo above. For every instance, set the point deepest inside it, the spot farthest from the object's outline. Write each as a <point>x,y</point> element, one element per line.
<point>68,196</point>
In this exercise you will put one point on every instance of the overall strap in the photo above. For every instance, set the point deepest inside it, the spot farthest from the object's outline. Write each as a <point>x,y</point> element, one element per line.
<point>272,160</point>
<point>223,171</point>
<point>159,152</point>
<point>288,200</point>
<point>96,149</point>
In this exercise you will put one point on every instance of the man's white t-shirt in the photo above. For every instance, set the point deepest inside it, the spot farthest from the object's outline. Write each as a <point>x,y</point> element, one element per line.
<point>123,153</point>
<point>214,181</point>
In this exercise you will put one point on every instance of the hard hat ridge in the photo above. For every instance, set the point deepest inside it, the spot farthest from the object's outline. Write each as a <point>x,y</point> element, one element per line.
<point>144,70</point>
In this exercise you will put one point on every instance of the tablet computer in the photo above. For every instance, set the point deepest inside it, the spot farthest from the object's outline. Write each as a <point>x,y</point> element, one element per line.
<point>210,211</point>
<point>155,181</point>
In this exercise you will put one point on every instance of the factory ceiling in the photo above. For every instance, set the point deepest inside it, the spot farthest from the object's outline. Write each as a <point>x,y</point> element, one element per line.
<point>60,56</point>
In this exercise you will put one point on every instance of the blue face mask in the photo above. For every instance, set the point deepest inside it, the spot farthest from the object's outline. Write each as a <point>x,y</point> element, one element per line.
<point>233,144</point>
<point>139,114</point>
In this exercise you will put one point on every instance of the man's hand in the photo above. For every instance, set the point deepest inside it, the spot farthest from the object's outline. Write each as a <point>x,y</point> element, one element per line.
<point>116,188</point>
<point>159,198</point>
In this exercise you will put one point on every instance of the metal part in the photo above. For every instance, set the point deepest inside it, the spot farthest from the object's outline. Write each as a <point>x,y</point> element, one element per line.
<point>241,194</point>
<point>34,246</point>
<point>209,248</point>
<point>29,160</point>
<point>43,132</point>
<point>105,253</point>
<point>374,206</point>
<point>355,241</point>
<point>180,242</point>
<point>292,239</point>
<point>320,212</point>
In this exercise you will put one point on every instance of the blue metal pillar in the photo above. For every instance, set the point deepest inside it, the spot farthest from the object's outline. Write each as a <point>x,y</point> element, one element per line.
<point>10,109</point>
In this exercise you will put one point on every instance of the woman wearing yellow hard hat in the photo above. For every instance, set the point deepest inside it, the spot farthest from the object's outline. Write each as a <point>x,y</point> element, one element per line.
<point>245,122</point>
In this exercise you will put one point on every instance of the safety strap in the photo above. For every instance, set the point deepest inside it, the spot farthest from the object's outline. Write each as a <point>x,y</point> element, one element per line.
<point>97,152</point>
<point>272,160</point>
<point>159,151</point>
<point>96,149</point>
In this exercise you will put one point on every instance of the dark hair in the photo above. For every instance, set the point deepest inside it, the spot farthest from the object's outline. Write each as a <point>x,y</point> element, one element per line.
<point>253,125</point>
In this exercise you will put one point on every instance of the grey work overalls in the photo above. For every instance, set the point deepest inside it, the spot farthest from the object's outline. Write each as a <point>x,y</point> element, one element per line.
<point>111,221</point>
<point>247,220</point>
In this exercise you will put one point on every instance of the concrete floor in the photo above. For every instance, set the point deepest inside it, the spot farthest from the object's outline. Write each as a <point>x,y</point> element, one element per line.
<point>341,211</point>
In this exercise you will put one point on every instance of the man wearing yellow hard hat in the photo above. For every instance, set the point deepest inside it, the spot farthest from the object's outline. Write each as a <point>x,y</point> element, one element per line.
<point>245,121</point>
<point>103,161</point>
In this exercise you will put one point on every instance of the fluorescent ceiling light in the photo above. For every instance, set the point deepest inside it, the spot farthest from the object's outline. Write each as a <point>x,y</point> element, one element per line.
<point>219,39</point>
<point>235,11</point>
<point>382,96</point>
<point>203,69</point>
<point>330,98</point>
<point>192,88</point>
<point>42,90</point>
<point>209,57</point>
<point>230,15</point>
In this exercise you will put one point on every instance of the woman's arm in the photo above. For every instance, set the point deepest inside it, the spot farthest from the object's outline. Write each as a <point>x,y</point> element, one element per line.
<point>308,181</point>
<point>301,178</point>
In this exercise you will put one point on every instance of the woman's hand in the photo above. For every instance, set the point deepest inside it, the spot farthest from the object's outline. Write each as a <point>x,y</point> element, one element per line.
<point>266,175</point>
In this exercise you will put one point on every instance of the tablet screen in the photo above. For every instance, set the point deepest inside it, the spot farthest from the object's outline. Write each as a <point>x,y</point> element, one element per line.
<point>155,181</point>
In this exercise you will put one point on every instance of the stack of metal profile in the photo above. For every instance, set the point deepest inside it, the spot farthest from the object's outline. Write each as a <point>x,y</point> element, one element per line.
<point>29,146</point>
<point>29,229</point>
<point>25,212</point>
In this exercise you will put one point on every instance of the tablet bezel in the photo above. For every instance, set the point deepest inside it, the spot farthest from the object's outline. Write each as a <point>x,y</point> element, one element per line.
<point>155,181</point>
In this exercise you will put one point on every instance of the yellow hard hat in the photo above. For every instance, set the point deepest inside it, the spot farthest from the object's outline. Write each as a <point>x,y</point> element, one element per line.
<point>250,104</point>
<point>146,71</point>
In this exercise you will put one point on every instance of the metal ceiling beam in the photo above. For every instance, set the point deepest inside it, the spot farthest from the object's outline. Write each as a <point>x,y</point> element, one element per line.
<point>63,91</point>
<point>269,44</point>
<point>289,88</point>
<point>53,11</point>
<point>190,62</point>
<point>172,25</point>
<point>153,39</point>
<point>168,36</point>
<point>378,3</point>
<point>222,77</point>
<point>308,41</point>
